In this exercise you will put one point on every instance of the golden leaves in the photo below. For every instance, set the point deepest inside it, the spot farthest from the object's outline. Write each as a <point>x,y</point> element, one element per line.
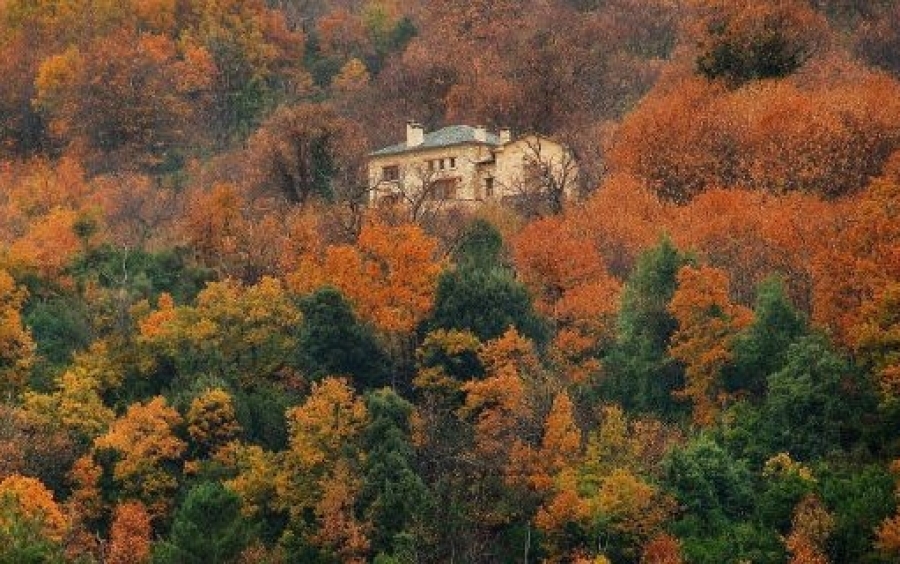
<point>36,503</point>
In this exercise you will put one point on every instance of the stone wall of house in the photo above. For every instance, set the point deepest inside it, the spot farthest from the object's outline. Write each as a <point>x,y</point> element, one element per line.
<point>480,171</point>
<point>514,161</point>
<point>418,168</point>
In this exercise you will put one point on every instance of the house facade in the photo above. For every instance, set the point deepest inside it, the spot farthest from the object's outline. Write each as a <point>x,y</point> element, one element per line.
<point>469,165</point>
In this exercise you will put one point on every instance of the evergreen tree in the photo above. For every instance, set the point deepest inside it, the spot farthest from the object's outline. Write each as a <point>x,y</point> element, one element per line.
<point>393,493</point>
<point>482,295</point>
<point>208,528</point>
<point>815,402</point>
<point>761,349</point>
<point>333,342</point>
<point>642,376</point>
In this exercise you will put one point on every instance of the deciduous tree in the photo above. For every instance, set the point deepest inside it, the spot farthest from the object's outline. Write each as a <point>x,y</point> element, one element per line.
<point>129,536</point>
<point>148,452</point>
<point>708,324</point>
<point>17,348</point>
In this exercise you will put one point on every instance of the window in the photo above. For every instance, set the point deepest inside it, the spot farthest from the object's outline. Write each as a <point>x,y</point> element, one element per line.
<point>390,173</point>
<point>489,187</point>
<point>442,164</point>
<point>452,162</point>
<point>444,189</point>
<point>389,200</point>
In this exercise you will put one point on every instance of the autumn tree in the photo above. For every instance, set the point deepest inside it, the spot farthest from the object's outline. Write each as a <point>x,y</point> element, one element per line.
<point>17,349</point>
<point>888,533</point>
<point>504,410</point>
<point>571,286</point>
<point>23,131</point>
<point>212,422</point>
<point>863,260</point>
<point>877,38</point>
<point>147,452</point>
<point>32,525</point>
<point>35,502</point>
<point>662,549</point>
<point>324,438</point>
<point>240,334</point>
<point>125,98</point>
<point>307,151</point>
<point>801,139</point>
<point>877,340</point>
<point>255,52</point>
<point>75,405</point>
<point>552,468</point>
<point>708,324</point>
<point>129,540</point>
<point>740,42</point>
<point>389,276</point>
<point>811,527</point>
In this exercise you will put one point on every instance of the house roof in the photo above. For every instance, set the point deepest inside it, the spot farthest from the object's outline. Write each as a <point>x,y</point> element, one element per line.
<point>452,135</point>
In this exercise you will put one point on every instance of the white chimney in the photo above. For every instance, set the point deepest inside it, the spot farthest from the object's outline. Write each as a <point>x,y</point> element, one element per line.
<point>480,133</point>
<point>415,134</point>
<point>505,135</point>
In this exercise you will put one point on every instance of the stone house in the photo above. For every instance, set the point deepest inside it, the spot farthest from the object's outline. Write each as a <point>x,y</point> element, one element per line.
<point>465,164</point>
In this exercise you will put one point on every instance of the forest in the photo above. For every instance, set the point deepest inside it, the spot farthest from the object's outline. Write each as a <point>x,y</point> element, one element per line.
<point>212,350</point>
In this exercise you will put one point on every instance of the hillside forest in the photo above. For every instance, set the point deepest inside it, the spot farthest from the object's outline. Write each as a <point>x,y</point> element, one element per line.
<point>213,351</point>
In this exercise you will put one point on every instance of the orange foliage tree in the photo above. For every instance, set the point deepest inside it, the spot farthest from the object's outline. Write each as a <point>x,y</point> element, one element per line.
<point>888,532</point>
<point>810,528</point>
<point>144,439</point>
<point>816,135</point>
<point>35,502</point>
<point>570,284</point>
<point>707,325</point>
<point>212,422</point>
<point>862,259</point>
<point>662,549</point>
<point>129,536</point>
<point>632,219</point>
<point>137,112</point>
<point>390,275</point>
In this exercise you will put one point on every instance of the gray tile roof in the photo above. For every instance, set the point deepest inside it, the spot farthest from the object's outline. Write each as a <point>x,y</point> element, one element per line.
<point>452,135</point>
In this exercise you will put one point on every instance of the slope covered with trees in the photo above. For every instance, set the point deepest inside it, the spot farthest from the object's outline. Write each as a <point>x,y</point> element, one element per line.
<point>211,349</point>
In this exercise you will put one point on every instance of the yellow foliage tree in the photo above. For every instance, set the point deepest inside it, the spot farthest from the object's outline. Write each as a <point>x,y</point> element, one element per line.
<point>36,503</point>
<point>236,332</point>
<point>322,431</point>
<point>212,422</point>
<point>17,349</point>
<point>145,442</point>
